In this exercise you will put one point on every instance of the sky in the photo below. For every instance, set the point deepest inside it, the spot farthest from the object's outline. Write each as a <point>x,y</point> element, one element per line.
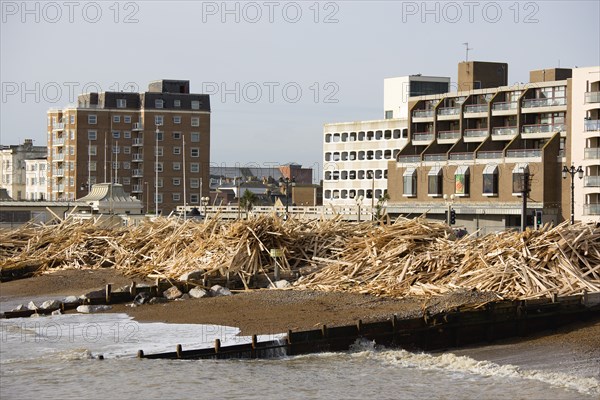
<point>277,71</point>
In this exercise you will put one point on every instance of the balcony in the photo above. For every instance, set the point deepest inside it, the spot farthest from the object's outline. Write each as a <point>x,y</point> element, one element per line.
<point>60,188</point>
<point>451,136</point>
<point>138,157</point>
<point>591,209</point>
<point>476,108</point>
<point>59,172</point>
<point>504,132</point>
<point>409,159</point>
<point>137,173</point>
<point>592,153</point>
<point>448,112</point>
<point>137,126</point>
<point>591,125</point>
<point>541,130</point>
<point>58,142</point>
<point>59,126</point>
<point>138,142</point>
<point>524,153</point>
<point>550,102</point>
<point>137,188</point>
<point>422,137</point>
<point>422,113</point>
<point>489,154</point>
<point>58,157</point>
<point>592,97</point>
<point>462,156</point>
<point>435,157</point>
<point>476,135</point>
<point>505,106</point>
<point>591,181</point>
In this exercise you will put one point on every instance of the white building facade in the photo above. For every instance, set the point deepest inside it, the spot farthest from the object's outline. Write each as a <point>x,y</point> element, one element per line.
<point>13,168</point>
<point>35,176</point>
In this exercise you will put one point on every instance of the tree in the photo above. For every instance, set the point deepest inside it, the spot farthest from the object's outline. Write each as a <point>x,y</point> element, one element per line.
<point>247,201</point>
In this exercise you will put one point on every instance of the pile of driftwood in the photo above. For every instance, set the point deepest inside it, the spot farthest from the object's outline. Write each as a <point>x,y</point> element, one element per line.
<point>409,257</point>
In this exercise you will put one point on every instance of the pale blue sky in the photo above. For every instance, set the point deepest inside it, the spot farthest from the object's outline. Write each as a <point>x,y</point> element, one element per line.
<point>44,62</point>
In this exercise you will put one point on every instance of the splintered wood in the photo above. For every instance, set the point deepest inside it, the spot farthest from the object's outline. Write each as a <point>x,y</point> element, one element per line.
<point>409,257</point>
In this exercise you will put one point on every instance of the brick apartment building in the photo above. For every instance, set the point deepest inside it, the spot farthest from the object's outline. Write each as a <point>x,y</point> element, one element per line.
<point>154,143</point>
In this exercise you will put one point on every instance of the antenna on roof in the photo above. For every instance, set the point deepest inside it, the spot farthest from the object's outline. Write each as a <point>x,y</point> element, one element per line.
<point>467,48</point>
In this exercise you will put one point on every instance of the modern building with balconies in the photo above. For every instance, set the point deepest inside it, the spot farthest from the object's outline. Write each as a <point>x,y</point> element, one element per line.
<point>472,148</point>
<point>155,144</point>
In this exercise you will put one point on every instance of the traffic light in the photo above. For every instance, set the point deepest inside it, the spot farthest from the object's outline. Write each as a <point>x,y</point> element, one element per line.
<point>538,217</point>
<point>452,217</point>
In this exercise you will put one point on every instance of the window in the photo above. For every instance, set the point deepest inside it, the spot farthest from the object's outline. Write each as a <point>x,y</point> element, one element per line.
<point>519,178</point>
<point>176,181</point>
<point>116,165</point>
<point>176,150</point>
<point>159,103</point>
<point>72,119</point>
<point>71,150</point>
<point>195,105</point>
<point>490,180</point>
<point>126,181</point>
<point>176,135</point>
<point>177,103</point>
<point>194,183</point>
<point>159,136</point>
<point>126,150</point>
<point>194,198</point>
<point>159,151</point>
<point>116,118</point>
<point>194,167</point>
<point>72,134</point>
<point>121,103</point>
<point>116,149</point>
<point>93,150</point>
<point>158,183</point>
<point>158,120</point>
<point>195,121</point>
<point>389,114</point>
<point>126,165</point>
<point>92,135</point>
<point>176,196</point>
<point>127,119</point>
<point>176,166</point>
<point>116,135</point>
<point>462,184</point>
<point>158,167</point>
<point>435,181</point>
<point>177,119</point>
<point>127,135</point>
<point>410,182</point>
<point>92,166</point>
<point>158,198</point>
<point>92,119</point>
<point>195,152</point>
<point>195,137</point>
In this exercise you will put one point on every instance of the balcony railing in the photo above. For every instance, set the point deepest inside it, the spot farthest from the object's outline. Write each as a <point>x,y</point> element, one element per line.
<point>543,128</point>
<point>422,136</point>
<point>448,134</point>
<point>449,111</point>
<point>592,125</point>
<point>138,141</point>
<point>59,126</point>
<point>461,156</point>
<point>137,188</point>
<point>592,97</point>
<point>138,126</point>
<point>138,157</point>
<point>476,108</point>
<point>504,131</point>
<point>58,141</point>
<point>476,132</point>
<point>60,188</point>
<point>58,157</point>
<point>509,105</point>
<point>591,209</point>
<point>59,172</point>
<point>554,101</point>
<point>591,181</point>
<point>409,159</point>
<point>137,173</point>
<point>524,153</point>
<point>489,154</point>
<point>435,157</point>
<point>591,153</point>
<point>422,113</point>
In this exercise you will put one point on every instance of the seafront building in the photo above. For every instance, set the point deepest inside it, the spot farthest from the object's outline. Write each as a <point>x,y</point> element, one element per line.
<point>356,154</point>
<point>13,167</point>
<point>36,171</point>
<point>156,144</point>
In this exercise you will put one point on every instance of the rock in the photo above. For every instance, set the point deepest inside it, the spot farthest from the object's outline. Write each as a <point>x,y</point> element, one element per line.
<point>282,284</point>
<point>196,275</point>
<point>35,315</point>
<point>158,300</point>
<point>218,290</point>
<point>32,306</point>
<point>50,304</point>
<point>172,293</point>
<point>185,296</point>
<point>95,294</point>
<point>56,312</point>
<point>92,309</point>
<point>20,307</point>
<point>71,299</point>
<point>142,298</point>
<point>198,293</point>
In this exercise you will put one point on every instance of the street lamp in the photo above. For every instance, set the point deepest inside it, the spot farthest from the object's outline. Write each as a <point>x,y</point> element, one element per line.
<point>572,171</point>
<point>287,182</point>
<point>156,173</point>
<point>449,201</point>
<point>204,202</point>
<point>359,200</point>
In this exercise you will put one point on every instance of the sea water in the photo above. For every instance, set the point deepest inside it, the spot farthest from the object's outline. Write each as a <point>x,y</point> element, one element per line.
<point>56,357</point>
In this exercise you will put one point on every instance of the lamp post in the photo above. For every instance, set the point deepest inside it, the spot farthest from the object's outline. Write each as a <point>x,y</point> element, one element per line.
<point>572,171</point>
<point>156,174</point>
<point>287,182</point>
<point>359,200</point>
<point>238,182</point>
<point>449,201</point>
<point>204,202</point>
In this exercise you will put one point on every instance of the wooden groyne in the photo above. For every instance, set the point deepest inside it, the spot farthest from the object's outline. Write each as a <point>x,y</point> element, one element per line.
<point>460,327</point>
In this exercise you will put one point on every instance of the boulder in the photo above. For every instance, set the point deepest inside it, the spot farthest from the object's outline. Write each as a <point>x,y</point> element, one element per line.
<point>95,294</point>
<point>172,293</point>
<point>158,300</point>
<point>71,299</point>
<point>20,307</point>
<point>87,309</point>
<point>142,298</point>
<point>198,293</point>
<point>50,304</point>
<point>196,275</point>
<point>218,290</point>
<point>184,296</point>
<point>56,312</point>
<point>282,284</point>
<point>32,306</point>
